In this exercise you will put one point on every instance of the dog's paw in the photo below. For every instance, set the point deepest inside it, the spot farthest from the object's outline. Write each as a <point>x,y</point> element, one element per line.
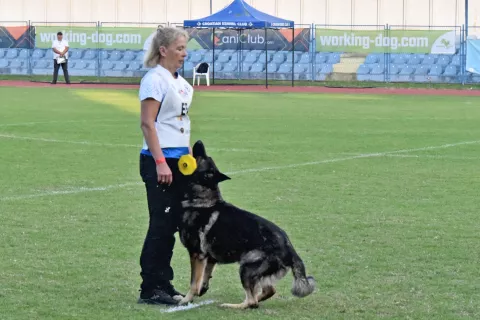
<point>177,298</point>
<point>184,301</point>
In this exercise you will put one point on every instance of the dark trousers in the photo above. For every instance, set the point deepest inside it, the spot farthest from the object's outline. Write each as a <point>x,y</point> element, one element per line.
<point>56,66</point>
<point>164,205</point>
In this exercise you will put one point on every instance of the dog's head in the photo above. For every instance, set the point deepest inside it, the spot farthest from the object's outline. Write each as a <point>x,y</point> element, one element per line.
<point>207,173</point>
<point>202,186</point>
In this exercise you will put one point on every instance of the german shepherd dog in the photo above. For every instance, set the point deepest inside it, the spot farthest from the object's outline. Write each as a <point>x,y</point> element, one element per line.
<point>214,231</point>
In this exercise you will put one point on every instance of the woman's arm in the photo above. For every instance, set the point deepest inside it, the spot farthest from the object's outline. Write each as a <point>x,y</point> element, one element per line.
<point>148,113</point>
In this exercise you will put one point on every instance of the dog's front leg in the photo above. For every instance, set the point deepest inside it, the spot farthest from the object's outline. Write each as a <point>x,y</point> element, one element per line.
<point>197,266</point>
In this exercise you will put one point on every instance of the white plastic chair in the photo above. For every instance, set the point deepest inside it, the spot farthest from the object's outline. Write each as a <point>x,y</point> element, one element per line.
<point>197,75</point>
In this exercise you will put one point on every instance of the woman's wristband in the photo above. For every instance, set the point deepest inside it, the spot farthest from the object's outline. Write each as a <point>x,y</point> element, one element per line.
<point>160,160</point>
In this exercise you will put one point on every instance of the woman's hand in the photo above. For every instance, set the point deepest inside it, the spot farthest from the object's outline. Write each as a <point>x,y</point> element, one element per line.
<point>164,174</point>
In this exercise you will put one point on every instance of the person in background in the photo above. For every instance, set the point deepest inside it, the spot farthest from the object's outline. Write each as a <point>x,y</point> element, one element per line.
<point>165,99</point>
<point>60,58</point>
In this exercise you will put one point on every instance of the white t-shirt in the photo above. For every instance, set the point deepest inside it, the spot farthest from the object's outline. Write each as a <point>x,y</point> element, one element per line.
<point>175,95</point>
<point>60,46</point>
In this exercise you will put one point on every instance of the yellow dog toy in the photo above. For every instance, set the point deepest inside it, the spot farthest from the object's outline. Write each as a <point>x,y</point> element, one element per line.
<point>187,164</point>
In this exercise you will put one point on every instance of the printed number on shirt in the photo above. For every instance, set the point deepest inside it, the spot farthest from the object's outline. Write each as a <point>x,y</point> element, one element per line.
<point>184,108</point>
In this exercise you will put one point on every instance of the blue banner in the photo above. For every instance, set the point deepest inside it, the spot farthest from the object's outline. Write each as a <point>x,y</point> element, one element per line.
<point>473,56</point>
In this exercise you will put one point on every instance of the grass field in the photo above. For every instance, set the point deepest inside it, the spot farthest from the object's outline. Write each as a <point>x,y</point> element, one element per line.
<point>377,194</point>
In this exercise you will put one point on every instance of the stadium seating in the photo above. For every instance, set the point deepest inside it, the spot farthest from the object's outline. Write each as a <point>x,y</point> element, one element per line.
<point>245,64</point>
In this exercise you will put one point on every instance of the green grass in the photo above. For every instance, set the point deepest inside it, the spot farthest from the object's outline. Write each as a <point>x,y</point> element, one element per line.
<point>386,237</point>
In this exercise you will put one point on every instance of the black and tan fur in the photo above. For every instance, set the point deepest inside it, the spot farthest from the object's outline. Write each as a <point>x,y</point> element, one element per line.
<point>216,232</point>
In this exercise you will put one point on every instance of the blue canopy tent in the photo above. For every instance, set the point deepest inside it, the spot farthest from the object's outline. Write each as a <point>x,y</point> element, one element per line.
<point>240,15</point>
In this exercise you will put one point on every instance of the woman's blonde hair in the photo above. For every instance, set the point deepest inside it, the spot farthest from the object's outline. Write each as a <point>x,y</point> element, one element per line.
<point>164,37</point>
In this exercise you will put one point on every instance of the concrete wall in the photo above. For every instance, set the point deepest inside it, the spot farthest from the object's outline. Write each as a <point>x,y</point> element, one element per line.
<point>333,12</point>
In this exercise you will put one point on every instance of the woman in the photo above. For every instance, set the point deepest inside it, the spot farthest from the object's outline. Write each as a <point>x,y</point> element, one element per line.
<point>165,99</point>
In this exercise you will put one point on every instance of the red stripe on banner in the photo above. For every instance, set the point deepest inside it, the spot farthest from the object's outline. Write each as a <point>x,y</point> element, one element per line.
<point>17,32</point>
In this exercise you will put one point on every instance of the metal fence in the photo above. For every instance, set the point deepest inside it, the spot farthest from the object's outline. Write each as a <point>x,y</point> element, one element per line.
<point>366,53</point>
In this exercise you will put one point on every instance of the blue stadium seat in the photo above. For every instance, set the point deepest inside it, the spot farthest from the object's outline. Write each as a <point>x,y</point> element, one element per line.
<point>196,57</point>
<point>90,55</point>
<point>420,74</point>
<point>75,54</point>
<point>208,57</point>
<point>230,67</point>
<point>128,56</point>
<point>292,57</point>
<point>428,60</point>
<point>140,56</point>
<point>48,55</point>
<point>80,65</point>
<point>435,73</point>
<point>92,65</point>
<point>263,55</point>
<point>456,60</point>
<point>251,58</point>
<point>134,65</point>
<point>40,64</point>
<point>272,67</point>
<point>405,74</point>
<point>303,66</point>
<point>224,57</point>
<point>188,66</point>
<point>414,60</point>
<point>257,67</point>
<point>3,63</point>
<point>371,59</point>
<point>246,66</point>
<point>107,65</point>
<point>377,73</point>
<point>2,53</point>
<point>435,70</point>
<point>443,60</point>
<point>24,54</point>
<point>115,55</point>
<point>320,58</point>
<point>279,57</point>
<point>363,72</point>
<point>305,58</point>
<point>104,54</point>
<point>17,63</point>
<point>12,54</point>
<point>42,67</point>
<point>235,56</point>
<point>120,66</point>
<point>285,68</point>
<point>38,54</point>
<point>398,59</point>
<point>450,71</point>
<point>333,58</point>
<point>218,66</point>
<point>326,68</point>
<point>300,68</point>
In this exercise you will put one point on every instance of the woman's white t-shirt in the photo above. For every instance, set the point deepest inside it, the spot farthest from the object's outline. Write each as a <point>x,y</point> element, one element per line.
<point>172,123</point>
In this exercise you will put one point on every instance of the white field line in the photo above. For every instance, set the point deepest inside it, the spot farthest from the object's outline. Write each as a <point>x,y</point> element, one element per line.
<point>431,156</point>
<point>19,124</point>
<point>360,156</point>
<point>187,307</point>
<point>102,144</point>
<point>296,165</point>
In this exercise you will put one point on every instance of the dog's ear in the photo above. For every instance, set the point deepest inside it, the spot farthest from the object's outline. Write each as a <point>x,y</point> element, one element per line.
<point>198,150</point>
<point>221,177</point>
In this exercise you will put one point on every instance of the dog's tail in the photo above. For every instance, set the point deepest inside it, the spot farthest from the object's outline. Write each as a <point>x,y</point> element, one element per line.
<point>302,285</point>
